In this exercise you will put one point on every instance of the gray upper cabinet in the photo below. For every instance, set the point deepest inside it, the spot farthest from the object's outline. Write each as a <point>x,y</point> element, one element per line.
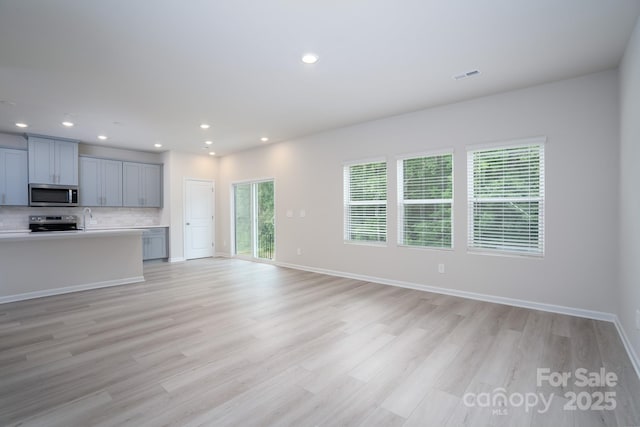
<point>53,161</point>
<point>13,177</point>
<point>141,185</point>
<point>100,182</point>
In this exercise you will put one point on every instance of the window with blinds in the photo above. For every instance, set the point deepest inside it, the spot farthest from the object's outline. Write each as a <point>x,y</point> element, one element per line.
<point>506,198</point>
<point>425,199</point>
<point>365,202</point>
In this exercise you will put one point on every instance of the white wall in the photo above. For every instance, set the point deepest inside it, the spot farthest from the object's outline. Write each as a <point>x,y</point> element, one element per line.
<point>119,154</point>
<point>11,140</point>
<point>629,294</point>
<point>579,118</point>
<point>179,166</point>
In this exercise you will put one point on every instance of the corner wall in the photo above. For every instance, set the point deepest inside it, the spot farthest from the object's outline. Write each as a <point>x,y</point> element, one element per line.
<point>179,166</point>
<point>580,119</point>
<point>629,292</point>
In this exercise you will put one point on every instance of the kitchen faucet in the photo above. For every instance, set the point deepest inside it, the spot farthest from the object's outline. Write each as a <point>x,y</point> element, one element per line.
<point>86,211</point>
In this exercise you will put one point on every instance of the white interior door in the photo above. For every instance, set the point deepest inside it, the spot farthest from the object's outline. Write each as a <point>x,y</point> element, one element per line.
<point>198,219</point>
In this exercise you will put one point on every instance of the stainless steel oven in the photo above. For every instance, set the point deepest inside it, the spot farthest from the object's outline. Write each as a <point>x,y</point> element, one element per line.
<point>53,195</point>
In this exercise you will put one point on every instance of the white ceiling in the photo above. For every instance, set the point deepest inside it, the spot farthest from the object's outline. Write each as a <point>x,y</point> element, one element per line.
<point>159,68</point>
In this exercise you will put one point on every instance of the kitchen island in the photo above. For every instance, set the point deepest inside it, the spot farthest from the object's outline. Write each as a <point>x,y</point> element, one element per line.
<point>33,265</point>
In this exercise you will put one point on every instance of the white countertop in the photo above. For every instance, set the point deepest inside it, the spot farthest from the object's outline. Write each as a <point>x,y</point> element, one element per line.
<point>94,228</point>
<point>124,227</point>
<point>25,236</point>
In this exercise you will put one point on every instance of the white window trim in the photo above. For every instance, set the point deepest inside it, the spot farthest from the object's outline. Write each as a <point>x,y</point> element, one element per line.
<point>512,143</point>
<point>347,202</point>
<point>402,202</point>
<point>538,140</point>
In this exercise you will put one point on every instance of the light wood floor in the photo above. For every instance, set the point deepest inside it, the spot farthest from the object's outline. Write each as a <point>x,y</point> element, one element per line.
<point>228,342</point>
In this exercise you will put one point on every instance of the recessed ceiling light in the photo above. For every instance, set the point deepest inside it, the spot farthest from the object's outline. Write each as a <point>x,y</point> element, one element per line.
<point>157,145</point>
<point>68,124</point>
<point>204,126</point>
<point>102,137</point>
<point>208,142</point>
<point>212,153</point>
<point>310,58</point>
<point>264,139</point>
<point>22,125</point>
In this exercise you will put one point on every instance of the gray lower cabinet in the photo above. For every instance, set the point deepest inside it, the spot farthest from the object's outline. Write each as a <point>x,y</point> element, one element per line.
<point>154,243</point>
<point>14,177</point>
<point>100,182</point>
<point>142,185</point>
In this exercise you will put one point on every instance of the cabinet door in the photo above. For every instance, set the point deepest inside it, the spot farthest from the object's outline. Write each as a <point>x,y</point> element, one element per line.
<point>41,161</point>
<point>66,163</point>
<point>154,243</point>
<point>151,179</point>
<point>13,178</point>
<point>111,183</point>
<point>90,192</point>
<point>131,185</point>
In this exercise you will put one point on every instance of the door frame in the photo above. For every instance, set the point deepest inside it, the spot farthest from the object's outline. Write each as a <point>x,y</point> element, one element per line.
<point>185,180</point>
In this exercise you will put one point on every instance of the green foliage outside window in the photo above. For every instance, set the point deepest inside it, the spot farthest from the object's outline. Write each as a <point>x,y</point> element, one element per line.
<point>507,199</point>
<point>254,219</point>
<point>427,192</point>
<point>265,219</point>
<point>366,204</point>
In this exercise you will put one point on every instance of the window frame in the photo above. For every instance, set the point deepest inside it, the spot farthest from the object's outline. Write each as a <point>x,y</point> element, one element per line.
<point>401,202</point>
<point>541,142</point>
<point>347,202</point>
<point>253,219</point>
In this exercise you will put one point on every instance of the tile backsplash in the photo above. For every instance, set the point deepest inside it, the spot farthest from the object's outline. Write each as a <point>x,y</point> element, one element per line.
<point>17,218</point>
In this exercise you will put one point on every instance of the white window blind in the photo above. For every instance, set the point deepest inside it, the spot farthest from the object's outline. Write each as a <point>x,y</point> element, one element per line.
<point>365,202</point>
<point>506,199</point>
<point>425,198</point>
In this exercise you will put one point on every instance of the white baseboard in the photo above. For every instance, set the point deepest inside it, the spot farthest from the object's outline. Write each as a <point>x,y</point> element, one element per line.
<point>69,289</point>
<point>571,311</point>
<point>560,309</point>
<point>635,360</point>
<point>222,255</point>
<point>177,259</point>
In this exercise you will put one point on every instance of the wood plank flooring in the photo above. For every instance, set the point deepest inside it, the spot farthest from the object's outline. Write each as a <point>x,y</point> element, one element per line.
<point>232,343</point>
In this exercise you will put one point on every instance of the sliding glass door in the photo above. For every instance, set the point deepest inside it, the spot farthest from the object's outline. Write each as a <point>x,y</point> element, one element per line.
<point>254,219</point>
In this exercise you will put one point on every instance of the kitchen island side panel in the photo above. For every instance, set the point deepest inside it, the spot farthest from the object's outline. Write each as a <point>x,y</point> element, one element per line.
<point>35,267</point>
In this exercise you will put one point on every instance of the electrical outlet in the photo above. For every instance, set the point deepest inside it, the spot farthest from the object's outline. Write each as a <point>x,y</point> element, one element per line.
<point>638,318</point>
<point>224,243</point>
<point>441,268</point>
<point>299,251</point>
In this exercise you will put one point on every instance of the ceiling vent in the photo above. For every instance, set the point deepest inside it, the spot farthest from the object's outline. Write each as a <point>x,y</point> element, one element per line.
<point>471,73</point>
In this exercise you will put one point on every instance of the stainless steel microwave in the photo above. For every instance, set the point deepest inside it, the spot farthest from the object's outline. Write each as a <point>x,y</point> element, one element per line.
<point>53,195</point>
